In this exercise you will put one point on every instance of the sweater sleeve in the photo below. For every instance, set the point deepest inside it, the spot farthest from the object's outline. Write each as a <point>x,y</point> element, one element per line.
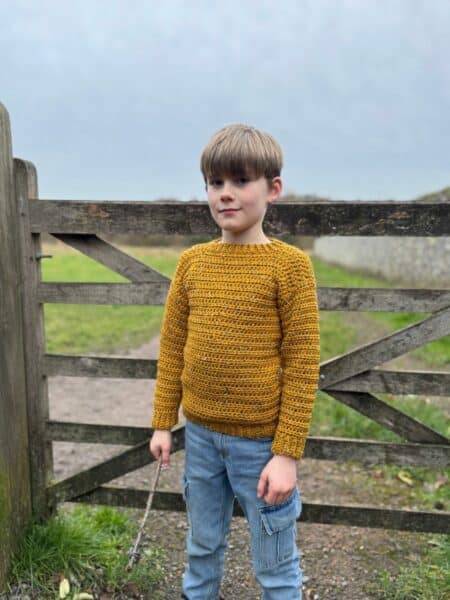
<point>300,355</point>
<point>167,397</point>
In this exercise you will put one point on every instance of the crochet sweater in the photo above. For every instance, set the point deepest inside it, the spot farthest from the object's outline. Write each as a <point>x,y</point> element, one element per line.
<point>239,346</point>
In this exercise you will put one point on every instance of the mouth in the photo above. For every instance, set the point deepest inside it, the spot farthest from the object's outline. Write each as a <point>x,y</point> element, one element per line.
<point>229,210</point>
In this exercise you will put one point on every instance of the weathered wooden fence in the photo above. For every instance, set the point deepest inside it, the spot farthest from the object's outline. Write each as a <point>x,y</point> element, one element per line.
<point>352,378</point>
<point>15,497</point>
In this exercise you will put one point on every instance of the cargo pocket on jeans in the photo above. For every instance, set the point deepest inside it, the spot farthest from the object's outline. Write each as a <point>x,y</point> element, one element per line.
<point>278,530</point>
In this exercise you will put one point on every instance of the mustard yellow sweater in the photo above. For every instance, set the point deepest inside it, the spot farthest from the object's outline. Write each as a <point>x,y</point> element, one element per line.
<point>239,345</point>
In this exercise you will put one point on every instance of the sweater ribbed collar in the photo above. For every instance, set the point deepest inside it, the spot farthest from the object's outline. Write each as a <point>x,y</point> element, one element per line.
<point>217,246</point>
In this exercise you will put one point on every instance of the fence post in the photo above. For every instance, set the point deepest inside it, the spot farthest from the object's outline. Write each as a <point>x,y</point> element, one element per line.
<point>41,457</point>
<point>15,496</point>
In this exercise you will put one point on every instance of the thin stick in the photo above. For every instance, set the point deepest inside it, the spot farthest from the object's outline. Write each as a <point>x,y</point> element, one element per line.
<point>134,552</point>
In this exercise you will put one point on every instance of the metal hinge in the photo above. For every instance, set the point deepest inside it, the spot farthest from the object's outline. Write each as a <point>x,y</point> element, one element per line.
<point>40,256</point>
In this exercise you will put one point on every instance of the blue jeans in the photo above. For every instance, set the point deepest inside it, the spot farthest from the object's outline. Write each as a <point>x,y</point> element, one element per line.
<point>219,467</point>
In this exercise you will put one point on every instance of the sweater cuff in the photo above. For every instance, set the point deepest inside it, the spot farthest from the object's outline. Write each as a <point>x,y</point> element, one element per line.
<point>290,445</point>
<point>165,419</point>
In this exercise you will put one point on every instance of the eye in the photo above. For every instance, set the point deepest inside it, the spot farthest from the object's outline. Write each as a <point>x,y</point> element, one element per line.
<point>215,182</point>
<point>242,180</point>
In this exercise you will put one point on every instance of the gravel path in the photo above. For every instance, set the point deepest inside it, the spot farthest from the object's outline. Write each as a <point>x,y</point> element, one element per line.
<point>337,561</point>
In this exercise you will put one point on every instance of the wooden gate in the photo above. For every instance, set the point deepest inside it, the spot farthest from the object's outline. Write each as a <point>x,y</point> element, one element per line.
<point>352,378</point>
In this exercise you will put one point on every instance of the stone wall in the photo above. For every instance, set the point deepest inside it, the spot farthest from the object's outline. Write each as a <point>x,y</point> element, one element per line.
<point>414,261</point>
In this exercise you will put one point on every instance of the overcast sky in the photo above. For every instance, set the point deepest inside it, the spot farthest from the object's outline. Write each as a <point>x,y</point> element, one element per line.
<point>116,99</point>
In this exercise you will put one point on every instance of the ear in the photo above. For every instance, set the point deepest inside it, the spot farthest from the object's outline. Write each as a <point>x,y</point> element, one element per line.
<point>275,188</point>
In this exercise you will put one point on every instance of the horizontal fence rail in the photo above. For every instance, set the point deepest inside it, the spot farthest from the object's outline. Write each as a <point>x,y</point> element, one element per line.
<point>359,516</point>
<point>377,380</point>
<point>104,293</point>
<point>329,298</point>
<point>298,218</point>
<point>368,452</point>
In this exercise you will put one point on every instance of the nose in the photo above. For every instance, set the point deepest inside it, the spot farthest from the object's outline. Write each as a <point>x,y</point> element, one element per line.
<point>227,191</point>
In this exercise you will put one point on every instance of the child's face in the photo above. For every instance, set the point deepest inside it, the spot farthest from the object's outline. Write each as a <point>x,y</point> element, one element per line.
<point>239,204</point>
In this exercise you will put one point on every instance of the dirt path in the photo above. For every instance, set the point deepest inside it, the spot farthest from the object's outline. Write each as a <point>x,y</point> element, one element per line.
<point>338,561</point>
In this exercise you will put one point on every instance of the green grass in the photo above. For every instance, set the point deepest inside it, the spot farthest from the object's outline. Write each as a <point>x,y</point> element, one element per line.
<point>331,418</point>
<point>418,578</point>
<point>89,547</point>
<point>79,329</point>
<point>434,354</point>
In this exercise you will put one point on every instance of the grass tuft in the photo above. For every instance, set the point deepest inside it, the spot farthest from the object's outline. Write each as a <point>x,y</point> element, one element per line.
<point>87,546</point>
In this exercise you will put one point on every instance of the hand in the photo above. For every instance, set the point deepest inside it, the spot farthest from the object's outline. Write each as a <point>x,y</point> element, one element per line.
<point>278,479</point>
<point>161,444</point>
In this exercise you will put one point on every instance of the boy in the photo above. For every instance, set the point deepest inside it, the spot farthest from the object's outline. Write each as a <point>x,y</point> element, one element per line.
<point>239,349</point>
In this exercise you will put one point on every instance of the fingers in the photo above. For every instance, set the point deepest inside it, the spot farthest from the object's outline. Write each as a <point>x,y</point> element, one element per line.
<point>265,491</point>
<point>163,453</point>
<point>160,446</point>
<point>165,462</point>
<point>263,483</point>
<point>274,499</point>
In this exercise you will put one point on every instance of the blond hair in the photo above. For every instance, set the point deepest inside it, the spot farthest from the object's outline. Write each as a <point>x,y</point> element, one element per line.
<point>241,150</point>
